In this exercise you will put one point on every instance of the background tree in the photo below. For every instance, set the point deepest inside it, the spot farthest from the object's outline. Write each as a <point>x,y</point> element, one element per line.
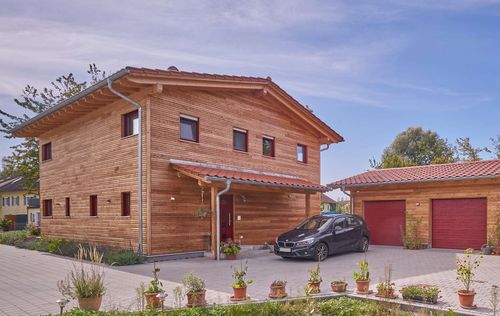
<point>415,147</point>
<point>495,147</point>
<point>466,151</point>
<point>24,158</point>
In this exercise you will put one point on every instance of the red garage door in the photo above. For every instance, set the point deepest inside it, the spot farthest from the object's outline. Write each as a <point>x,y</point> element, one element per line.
<point>458,223</point>
<point>384,220</point>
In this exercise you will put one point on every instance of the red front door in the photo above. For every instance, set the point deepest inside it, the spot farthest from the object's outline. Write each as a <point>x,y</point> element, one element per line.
<point>226,217</point>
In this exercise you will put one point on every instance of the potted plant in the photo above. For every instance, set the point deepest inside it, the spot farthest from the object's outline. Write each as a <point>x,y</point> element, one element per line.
<point>362,277</point>
<point>278,289</point>
<point>339,286</point>
<point>269,245</point>
<point>5,224</point>
<point>85,282</point>
<point>386,288</point>
<point>155,288</point>
<point>230,248</point>
<point>465,274</point>
<point>314,282</point>
<point>420,293</point>
<point>195,289</point>
<point>487,248</point>
<point>240,283</point>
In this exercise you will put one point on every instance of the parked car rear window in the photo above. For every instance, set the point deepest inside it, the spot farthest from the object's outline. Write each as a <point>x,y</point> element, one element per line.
<point>315,223</point>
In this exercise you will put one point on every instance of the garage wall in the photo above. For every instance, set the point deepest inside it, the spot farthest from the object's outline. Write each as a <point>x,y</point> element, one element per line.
<point>424,193</point>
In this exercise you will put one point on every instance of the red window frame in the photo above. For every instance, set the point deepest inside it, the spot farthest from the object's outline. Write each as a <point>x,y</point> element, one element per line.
<point>128,123</point>
<point>47,207</point>
<point>191,119</point>
<point>67,207</point>
<point>93,205</point>
<point>240,131</point>
<point>46,151</point>
<point>125,203</point>
<point>272,139</point>
<point>304,153</point>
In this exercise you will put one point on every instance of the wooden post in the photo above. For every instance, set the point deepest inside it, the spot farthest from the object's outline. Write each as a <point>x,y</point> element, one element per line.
<point>213,209</point>
<point>308,205</point>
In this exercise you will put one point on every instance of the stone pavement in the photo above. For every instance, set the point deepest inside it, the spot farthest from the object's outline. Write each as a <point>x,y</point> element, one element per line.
<point>28,284</point>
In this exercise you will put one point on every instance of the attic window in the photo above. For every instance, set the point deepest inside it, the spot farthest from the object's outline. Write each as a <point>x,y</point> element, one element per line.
<point>240,139</point>
<point>189,128</point>
<point>302,153</point>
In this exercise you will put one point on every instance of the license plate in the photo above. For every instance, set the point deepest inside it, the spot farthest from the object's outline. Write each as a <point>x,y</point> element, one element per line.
<point>285,249</point>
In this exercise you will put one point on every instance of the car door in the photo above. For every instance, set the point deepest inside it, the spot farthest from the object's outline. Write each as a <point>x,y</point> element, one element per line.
<point>339,237</point>
<point>353,232</point>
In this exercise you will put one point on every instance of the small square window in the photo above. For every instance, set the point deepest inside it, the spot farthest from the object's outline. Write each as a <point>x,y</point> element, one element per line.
<point>125,203</point>
<point>93,205</point>
<point>268,146</point>
<point>240,139</point>
<point>302,153</point>
<point>46,151</point>
<point>47,207</point>
<point>67,207</point>
<point>130,123</point>
<point>189,128</point>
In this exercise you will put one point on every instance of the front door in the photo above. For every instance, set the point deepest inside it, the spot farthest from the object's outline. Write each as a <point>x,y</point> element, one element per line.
<point>226,217</point>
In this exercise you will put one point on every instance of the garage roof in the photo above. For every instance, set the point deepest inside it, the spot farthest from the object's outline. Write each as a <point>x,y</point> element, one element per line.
<point>440,172</point>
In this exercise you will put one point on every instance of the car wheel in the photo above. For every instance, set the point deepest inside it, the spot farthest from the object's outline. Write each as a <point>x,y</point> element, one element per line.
<point>363,244</point>
<point>321,252</point>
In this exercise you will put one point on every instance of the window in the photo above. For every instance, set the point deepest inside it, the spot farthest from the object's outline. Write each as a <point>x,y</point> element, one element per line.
<point>341,222</point>
<point>47,207</point>
<point>189,128</point>
<point>67,207</point>
<point>46,151</point>
<point>130,123</point>
<point>353,221</point>
<point>125,203</point>
<point>240,139</point>
<point>268,146</point>
<point>7,199</point>
<point>93,205</point>
<point>15,201</point>
<point>302,153</point>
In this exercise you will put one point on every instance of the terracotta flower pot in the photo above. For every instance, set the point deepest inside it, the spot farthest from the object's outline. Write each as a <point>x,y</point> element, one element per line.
<point>239,293</point>
<point>278,291</point>
<point>196,299</point>
<point>153,300</point>
<point>314,287</point>
<point>466,298</point>
<point>231,256</point>
<point>386,293</point>
<point>90,304</point>
<point>362,286</point>
<point>339,287</point>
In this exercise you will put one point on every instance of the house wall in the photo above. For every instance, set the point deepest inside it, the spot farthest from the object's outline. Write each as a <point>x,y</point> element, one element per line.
<point>174,227</point>
<point>424,193</point>
<point>13,209</point>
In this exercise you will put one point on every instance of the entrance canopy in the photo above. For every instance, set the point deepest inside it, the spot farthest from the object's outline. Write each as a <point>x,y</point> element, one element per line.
<point>209,173</point>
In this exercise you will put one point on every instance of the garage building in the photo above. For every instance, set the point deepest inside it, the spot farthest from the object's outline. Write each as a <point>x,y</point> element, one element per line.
<point>458,204</point>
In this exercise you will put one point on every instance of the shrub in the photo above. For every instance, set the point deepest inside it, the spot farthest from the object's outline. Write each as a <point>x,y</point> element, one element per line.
<point>33,230</point>
<point>428,294</point>
<point>13,237</point>
<point>193,283</point>
<point>121,257</point>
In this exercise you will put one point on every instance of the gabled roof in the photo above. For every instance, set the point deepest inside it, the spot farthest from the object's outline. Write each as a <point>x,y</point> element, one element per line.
<point>13,184</point>
<point>441,172</point>
<point>326,199</point>
<point>131,80</point>
<point>220,173</point>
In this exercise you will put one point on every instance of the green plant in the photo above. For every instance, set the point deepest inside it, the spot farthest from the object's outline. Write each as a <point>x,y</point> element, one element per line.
<point>193,283</point>
<point>55,244</point>
<point>239,276</point>
<point>121,257</point>
<point>314,276</point>
<point>230,246</point>
<point>84,280</point>
<point>386,286</point>
<point>411,238</point>
<point>363,274</point>
<point>339,281</point>
<point>33,230</point>
<point>466,267</point>
<point>278,283</point>
<point>5,222</point>
<point>423,293</point>
<point>13,238</point>
<point>155,286</point>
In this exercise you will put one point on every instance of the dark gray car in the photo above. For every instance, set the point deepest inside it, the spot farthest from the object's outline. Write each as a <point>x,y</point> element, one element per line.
<point>323,235</point>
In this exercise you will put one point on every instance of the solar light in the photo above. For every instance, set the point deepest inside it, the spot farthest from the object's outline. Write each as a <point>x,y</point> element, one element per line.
<point>62,303</point>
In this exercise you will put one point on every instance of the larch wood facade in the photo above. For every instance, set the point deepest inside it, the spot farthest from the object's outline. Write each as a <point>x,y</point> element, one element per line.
<point>90,157</point>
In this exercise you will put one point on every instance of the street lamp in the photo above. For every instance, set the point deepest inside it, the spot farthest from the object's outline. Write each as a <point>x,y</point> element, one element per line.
<point>62,303</point>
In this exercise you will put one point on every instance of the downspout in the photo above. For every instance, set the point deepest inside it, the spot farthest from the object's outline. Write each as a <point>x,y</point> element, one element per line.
<point>350,197</point>
<point>139,159</point>
<point>326,148</point>
<point>228,186</point>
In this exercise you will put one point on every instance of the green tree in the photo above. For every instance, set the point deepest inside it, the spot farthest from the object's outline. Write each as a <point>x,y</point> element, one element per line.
<point>466,151</point>
<point>495,147</point>
<point>24,158</point>
<point>414,147</point>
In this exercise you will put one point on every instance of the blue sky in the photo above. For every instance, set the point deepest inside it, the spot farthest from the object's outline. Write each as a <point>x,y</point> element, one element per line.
<point>370,69</point>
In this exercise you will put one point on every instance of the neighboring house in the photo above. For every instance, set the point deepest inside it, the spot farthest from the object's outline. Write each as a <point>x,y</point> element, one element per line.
<point>201,134</point>
<point>458,203</point>
<point>18,204</point>
<point>327,203</point>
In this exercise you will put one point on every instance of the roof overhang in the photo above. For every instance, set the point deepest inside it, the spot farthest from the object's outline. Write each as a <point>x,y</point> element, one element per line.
<point>131,80</point>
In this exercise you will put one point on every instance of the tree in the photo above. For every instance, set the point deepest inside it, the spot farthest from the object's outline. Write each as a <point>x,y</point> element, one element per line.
<point>24,158</point>
<point>415,147</point>
<point>466,151</point>
<point>495,147</point>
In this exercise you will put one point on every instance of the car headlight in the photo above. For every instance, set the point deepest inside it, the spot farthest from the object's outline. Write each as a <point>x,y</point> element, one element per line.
<point>305,242</point>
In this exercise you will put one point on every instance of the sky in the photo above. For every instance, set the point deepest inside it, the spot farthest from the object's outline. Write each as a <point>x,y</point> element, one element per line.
<point>370,69</point>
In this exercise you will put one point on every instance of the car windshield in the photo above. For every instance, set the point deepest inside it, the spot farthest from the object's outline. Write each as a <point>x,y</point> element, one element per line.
<point>317,222</point>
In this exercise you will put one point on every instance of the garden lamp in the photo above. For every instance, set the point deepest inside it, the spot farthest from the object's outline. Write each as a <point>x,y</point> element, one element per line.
<point>62,303</point>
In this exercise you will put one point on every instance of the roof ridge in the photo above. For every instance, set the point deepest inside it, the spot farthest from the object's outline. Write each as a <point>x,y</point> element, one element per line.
<point>437,164</point>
